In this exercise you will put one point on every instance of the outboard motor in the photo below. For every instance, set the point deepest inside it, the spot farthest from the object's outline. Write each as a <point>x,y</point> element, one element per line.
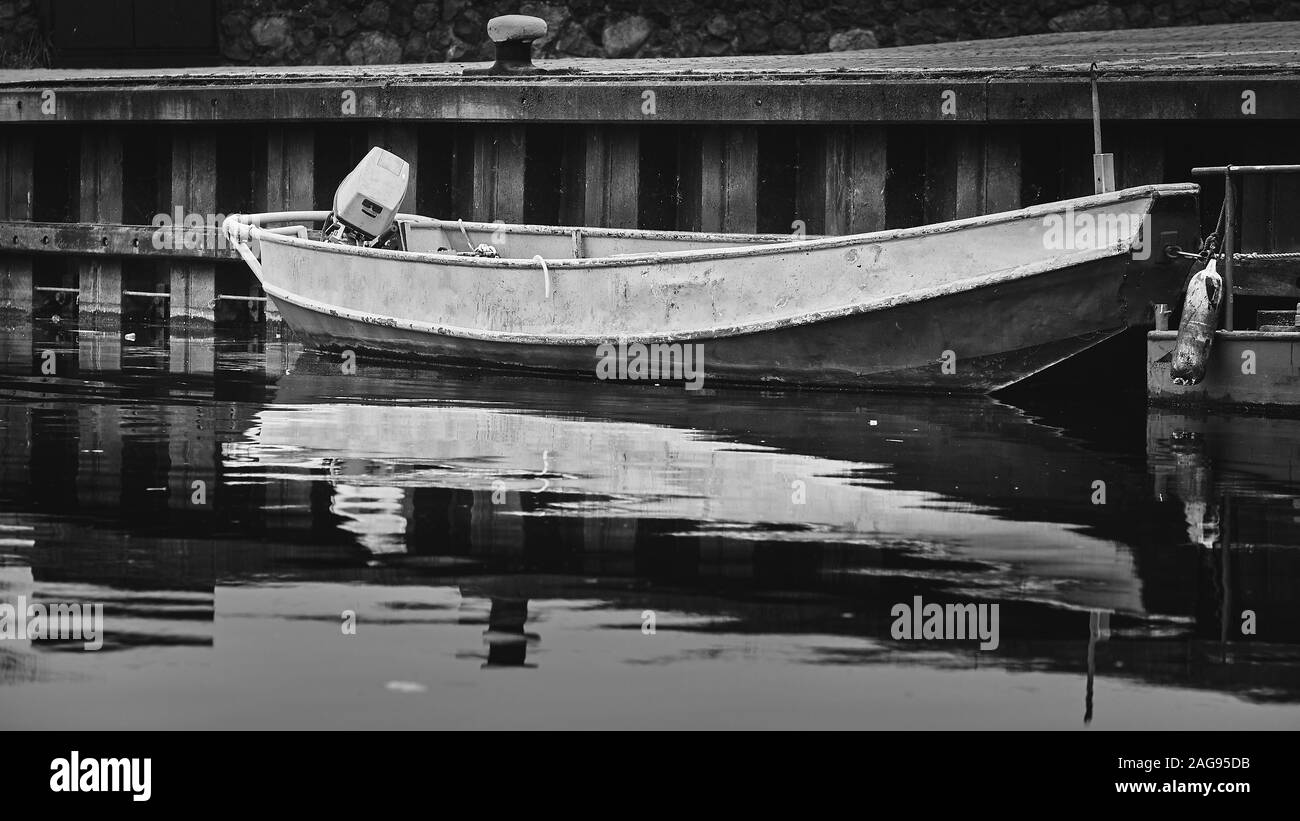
<point>366,203</point>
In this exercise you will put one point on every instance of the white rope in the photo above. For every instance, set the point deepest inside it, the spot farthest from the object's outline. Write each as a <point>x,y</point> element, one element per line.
<point>1250,256</point>
<point>546,273</point>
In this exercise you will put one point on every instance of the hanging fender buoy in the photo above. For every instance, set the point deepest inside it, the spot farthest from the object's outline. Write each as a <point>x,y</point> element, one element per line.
<point>1196,330</point>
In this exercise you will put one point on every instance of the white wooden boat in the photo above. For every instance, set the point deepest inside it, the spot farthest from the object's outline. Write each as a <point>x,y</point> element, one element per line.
<point>972,305</point>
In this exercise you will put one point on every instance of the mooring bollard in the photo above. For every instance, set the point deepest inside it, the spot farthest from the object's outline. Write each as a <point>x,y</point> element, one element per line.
<point>514,35</point>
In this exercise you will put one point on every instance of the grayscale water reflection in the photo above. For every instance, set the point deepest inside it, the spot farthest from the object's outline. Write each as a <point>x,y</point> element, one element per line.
<point>502,540</point>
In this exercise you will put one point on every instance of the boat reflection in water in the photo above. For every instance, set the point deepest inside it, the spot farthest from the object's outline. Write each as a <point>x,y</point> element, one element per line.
<point>654,557</point>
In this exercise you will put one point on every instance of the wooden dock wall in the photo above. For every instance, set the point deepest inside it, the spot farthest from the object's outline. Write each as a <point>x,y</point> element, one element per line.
<point>90,161</point>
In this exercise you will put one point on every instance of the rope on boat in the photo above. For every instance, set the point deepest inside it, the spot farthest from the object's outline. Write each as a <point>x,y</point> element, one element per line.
<point>1247,256</point>
<point>546,273</point>
<point>1214,241</point>
<point>1252,256</point>
<point>464,233</point>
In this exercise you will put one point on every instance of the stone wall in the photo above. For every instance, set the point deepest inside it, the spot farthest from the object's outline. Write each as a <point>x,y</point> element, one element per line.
<point>383,31</point>
<point>329,32</point>
<point>22,42</point>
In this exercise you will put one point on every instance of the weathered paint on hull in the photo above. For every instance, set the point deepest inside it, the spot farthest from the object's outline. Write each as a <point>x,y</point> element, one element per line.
<point>970,306</point>
<point>901,348</point>
<point>1244,369</point>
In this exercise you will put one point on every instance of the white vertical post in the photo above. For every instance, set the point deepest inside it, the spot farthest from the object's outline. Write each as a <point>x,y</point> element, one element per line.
<point>1103,165</point>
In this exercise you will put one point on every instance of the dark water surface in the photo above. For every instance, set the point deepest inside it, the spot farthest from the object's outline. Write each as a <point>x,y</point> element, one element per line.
<point>501,538</point>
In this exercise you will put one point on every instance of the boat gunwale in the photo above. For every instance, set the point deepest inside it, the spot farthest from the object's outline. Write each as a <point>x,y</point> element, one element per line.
<point>1153,191</point>
<point>531,229</point>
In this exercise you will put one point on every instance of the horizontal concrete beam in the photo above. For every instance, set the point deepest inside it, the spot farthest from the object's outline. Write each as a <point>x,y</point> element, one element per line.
<point>112,240</point>
<point>674,100</point>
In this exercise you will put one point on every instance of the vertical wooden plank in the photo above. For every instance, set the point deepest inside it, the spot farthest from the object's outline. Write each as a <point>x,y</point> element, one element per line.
<point>729,179</point>
<point>544,168</point>
<point>853,168</point>
<point>101,197</point>
<point>713,177</point>
<point>690,140</point>
<point>612,176</point>
<point>573,177</point>
<point>445,183</point>
<point>842,194</point>
<point>1001,169</point>
<point>288,182</point>
<point>1141,156</point>
<point>509,181</point>
<point>940,176</point>
<point>1075,161</point>
<point>403,140</point>
<point>17,166</point>
<point>741,180</point>
<point>100,191</point>
<point>967,169</point>
<point>462,171</point>
<point>194,191</point>
<point>969,172</point>
<point>870,154</point>
<point>811,177</point>
<point>499,173</point>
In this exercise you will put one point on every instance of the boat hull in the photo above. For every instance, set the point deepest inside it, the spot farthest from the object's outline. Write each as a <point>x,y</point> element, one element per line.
<point>954,332</point>
<point>901,348</point>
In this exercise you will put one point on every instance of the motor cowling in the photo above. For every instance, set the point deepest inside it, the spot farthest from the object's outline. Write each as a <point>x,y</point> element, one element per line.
<point>366,202</point>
